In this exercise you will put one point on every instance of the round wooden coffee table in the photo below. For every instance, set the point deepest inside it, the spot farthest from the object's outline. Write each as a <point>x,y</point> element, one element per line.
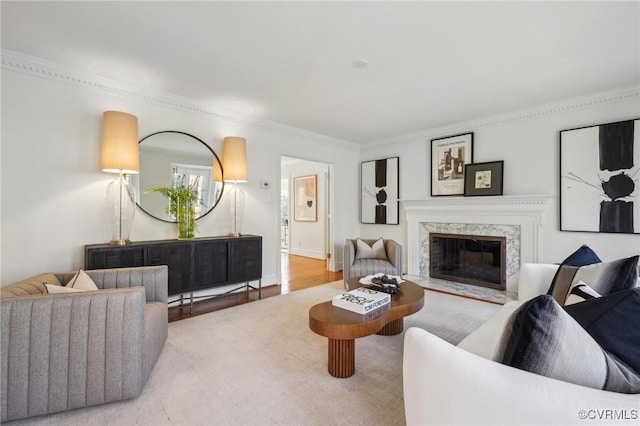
<point>342,327</point>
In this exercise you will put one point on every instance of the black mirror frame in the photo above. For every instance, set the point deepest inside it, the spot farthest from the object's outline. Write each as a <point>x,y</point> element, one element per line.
<point>215,156</point>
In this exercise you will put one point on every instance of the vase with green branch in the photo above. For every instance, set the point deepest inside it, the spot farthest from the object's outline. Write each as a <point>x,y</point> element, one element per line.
<point>183,200</point>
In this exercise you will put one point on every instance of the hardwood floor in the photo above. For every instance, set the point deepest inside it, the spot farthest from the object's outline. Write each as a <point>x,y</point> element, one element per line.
<point>298,273</point>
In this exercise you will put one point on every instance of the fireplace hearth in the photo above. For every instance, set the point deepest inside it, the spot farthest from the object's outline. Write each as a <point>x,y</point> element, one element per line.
<point>470,259</point>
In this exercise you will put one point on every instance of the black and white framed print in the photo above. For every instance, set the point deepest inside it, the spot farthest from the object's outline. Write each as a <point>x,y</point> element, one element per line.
<point>483,178</point>
<point>448,157</point>
<point>599,174</point>
<point>380,181</point>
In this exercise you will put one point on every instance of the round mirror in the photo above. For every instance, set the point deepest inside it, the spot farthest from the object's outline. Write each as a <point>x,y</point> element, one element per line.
<point>173,161</point>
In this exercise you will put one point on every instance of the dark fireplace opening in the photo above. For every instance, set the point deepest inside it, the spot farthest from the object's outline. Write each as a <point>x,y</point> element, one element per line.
<point>471,259</point>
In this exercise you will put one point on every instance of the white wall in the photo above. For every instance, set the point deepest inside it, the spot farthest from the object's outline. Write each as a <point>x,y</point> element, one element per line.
<point>307,238</point>
<point>52,189</point>
<point>528,142</point>
<point>53,192</point>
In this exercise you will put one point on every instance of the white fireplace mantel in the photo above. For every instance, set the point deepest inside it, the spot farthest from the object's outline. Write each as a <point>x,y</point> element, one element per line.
<point>525,211</point>
<point>518,204</point>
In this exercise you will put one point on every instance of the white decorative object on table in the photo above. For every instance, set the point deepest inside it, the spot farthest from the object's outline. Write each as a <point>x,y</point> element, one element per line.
<point>361,300</point>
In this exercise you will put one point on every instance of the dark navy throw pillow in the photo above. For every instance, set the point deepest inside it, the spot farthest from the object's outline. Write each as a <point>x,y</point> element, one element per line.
<point>614,322</point>
<point>582,256</point>
<point>546,340</point>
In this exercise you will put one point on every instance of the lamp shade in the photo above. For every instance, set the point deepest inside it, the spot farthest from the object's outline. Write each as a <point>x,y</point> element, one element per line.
<point>234,159</point>
<point>119,147</point>
<point>217,170</point>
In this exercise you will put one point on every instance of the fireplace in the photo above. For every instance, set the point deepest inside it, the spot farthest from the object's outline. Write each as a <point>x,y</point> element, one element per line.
<point>517,218</point>
<point>471,259</point>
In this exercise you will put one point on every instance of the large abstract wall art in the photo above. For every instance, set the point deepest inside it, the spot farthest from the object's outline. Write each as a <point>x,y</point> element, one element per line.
<point>380,191</point>
<point>599,176</point>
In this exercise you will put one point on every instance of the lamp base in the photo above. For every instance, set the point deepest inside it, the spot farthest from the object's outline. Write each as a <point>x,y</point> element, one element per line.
<point>121,207</point>
<point>237,209</point>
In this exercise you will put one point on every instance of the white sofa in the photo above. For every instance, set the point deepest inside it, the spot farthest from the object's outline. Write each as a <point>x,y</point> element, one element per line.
<point>446,384</point>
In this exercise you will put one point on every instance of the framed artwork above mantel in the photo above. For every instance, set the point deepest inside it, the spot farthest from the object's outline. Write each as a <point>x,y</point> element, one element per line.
<point>483,179</point>
<point>449,155</point>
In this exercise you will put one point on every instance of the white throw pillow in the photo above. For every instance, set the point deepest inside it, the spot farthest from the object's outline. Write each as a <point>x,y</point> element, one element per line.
<point>375,251</point>
<point>57,289</point>
<point>579,292</point>
<point>82,281</point>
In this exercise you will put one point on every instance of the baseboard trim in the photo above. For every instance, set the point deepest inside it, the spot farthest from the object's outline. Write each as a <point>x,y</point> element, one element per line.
<point>307,253</point>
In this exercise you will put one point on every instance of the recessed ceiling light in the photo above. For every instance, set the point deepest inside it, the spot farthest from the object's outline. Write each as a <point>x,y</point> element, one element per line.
<point>360,63</point>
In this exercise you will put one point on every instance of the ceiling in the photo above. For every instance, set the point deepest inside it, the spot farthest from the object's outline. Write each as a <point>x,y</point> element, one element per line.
<point>302,64</point>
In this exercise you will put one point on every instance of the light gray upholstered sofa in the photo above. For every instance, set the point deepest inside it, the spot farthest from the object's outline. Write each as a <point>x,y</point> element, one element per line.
<point>65,351</point>
<point>363,267</point>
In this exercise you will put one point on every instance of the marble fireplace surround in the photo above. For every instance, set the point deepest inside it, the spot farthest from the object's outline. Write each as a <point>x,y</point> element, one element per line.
<point>518,217</point>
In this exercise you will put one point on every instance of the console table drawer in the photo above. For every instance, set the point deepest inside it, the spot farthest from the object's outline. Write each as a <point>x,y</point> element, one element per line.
<point>211,264</point>
<point>125,257</point>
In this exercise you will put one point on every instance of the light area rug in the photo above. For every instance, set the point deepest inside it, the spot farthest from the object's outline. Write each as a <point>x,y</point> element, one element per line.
<point>260,364</point>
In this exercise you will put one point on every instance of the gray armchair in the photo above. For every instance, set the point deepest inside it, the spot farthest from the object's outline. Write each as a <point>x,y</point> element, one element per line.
<point>361,267</point>
<point>73,350</point>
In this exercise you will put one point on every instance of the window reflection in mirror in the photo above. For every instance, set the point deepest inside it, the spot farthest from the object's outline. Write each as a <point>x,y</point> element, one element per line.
<point>201,179</point>
<point>168,156</point>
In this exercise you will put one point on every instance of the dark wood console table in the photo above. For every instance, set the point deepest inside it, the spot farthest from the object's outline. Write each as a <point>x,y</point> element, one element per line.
<point>197,264</point>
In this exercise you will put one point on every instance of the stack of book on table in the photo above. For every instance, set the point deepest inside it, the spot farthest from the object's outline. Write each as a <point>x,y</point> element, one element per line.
<point>362,300</point>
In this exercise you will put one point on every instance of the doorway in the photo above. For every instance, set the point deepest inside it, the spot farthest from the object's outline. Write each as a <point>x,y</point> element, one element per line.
<point>284,214</point>
<point>305,228</point>
<point>300,272</point>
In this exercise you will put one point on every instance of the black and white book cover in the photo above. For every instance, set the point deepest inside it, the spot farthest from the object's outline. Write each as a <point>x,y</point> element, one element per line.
<point>361,300</point>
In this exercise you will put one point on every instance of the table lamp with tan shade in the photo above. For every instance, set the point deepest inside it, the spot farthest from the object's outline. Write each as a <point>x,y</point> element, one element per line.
<point>234,167</point>
<point>119,154</point>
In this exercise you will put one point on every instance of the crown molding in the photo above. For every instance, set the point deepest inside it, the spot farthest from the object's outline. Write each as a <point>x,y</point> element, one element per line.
<point>30,65</point>
<point>37,67</point>
<point>617,95</point>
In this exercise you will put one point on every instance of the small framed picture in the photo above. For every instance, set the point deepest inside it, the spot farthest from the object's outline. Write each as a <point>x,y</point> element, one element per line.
<point>305,207</point>
<point>483,178</point>
<point>448,159</point>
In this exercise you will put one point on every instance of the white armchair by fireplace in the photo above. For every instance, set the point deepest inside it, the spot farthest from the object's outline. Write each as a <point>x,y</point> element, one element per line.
<point>446,384</point>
